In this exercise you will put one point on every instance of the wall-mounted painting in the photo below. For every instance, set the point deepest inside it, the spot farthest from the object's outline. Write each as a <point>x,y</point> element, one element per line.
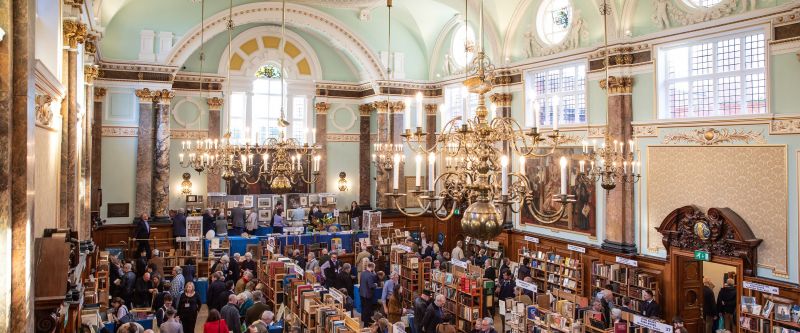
<point>545,176</point>
<point>293,201</point>
<point>264,215</point>
<point>118,209</point>
<point>264,202</point>
<point>303,201</point>
<point>313,199</point>
<point>247,201</point>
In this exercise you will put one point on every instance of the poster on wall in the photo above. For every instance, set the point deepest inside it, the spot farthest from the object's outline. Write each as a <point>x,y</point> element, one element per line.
<point>303,201</point>
<point>264,202</point>
<point>247,201</point>
<point>545,176</point>
<point>264,215</point>
<point>313,199</point>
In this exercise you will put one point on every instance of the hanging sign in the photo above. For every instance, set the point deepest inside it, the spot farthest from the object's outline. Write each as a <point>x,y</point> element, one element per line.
<point>576,248</point>
<point>531,239</point>
<point>626,261</point>
<point>298,271</point>
<point>760,287</point>
<point>336,295</point>
<point>459,263</point>
<point>216,194</point>
<point>527,285</point>
<point>652,324</point>
<point>402,247</point>
<point>385,225</point>
<point>701,255</point>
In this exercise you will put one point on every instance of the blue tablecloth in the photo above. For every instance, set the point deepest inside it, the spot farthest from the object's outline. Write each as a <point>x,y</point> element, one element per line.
<point>146,323</point>
<point>201,286</point>
<point>357,297</point>
<point>239,244</point>
<point>263,231</point>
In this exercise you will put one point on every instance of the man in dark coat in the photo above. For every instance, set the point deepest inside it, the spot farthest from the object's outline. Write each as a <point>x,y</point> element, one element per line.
<point>433,315</point>
<point>524,270</point>
<point>142,297</point>
<point>650,307</point>
<point>709,305</point>
<point>142,234</point>
<point>216,287</point>
<point>506,287</point>
<point>368,283</point>
<point>254,312</point>
<point>345,279</point>
<point>331,270</point>
<point>726,303</point>
<point>420,305</point>
<point>238,216</point>
<point>234,273</point>
<point>208,221</point>
<point>222,297</point>
<point>179,224</point>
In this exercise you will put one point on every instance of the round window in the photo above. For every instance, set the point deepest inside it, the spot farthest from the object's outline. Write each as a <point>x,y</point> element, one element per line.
<point>463,48</point>
<point>554,20</point>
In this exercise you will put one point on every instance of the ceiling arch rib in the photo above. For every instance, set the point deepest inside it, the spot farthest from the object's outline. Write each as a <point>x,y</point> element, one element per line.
<point>299,16</point>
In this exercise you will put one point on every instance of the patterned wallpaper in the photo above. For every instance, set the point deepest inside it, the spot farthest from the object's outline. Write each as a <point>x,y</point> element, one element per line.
<point>751,180</point>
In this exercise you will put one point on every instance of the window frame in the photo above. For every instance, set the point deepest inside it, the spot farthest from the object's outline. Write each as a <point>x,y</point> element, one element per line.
<point>662,111</point>
<point>447,115</point>
<point>527,95</point>
<point>542,12</point>
<point>457,61</point>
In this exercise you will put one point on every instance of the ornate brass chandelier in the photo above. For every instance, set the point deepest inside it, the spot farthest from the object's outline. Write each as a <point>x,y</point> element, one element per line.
<point>280,163</point>
<point>474,162</point>
<point>614,162</point>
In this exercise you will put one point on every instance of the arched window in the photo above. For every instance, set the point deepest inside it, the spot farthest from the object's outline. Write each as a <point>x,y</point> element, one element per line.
<point>255,107</point>
<point>463,48</point>
<point>554,20</point>
<point>702,3</point>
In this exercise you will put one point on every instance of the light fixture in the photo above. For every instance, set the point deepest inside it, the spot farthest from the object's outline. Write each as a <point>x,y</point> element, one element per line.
<point>614,161</point>
<point>474,159</point>
<point>383,153</point>
<point>344,184</point>
<point>186,184</point>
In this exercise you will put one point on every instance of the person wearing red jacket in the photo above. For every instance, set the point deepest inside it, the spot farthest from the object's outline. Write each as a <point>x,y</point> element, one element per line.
<point>215,323</point>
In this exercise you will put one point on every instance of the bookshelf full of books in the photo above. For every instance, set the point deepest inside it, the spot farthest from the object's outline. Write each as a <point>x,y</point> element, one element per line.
<point>625,282</point>
<point>766,313</point>
<point>554,272</point>
<point>547,315</point>
<point>465,291</point>
<point>194,236</point>
<point>414,271</point>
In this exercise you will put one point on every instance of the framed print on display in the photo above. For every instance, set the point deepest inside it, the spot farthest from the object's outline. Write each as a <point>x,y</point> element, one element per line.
<point>191,198</point>
<point>303,201</point>
<point>232,204</point>
<point>247,201</point>
<point>264,215</point>
<point>313,199</point>
<point>264,202</point>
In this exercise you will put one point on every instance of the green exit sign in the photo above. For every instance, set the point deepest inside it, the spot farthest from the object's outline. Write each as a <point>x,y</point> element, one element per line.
<point>702,255</point>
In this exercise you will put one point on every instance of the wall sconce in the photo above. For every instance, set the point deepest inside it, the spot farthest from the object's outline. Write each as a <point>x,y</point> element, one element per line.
<point>344,185</point>
<point>186,185</point>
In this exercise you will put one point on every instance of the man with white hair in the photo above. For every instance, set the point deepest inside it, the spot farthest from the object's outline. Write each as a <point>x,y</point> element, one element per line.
<point>312,262</point>
<point>458,252</point>
<point>433,315</point>
<point>233,269</point>
<point>487,325</point>
<point>268,318</point>
<point>388,287</point>
<point>179,224</point>
<point>249,264</point>
<point>230,312</point>
<point>177,283</point>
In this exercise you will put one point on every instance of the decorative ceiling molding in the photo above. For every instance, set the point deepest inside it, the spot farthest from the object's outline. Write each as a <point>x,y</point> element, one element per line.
<point>666,12</point>
<point>711,136</point>
<point>44,113</point>
<point>188,134</point>
<point>645,131</point>
<point>297,15</point>
<point>597,132</point>
<point>340,3</point>
<point>341,137</point>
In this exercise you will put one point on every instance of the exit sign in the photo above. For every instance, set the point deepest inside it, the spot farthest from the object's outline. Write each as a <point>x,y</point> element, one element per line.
<point>702,255</point>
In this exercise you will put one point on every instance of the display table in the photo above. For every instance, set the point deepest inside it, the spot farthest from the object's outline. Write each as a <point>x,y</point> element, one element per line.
<point>239,244</point>
<point>357,297</point>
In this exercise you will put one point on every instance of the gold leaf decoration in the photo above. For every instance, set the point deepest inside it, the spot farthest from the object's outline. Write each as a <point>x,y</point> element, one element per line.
<point>711,136</point>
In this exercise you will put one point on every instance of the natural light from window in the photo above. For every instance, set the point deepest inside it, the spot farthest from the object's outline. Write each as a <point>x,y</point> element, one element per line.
<point>722,76</point>
<point>454,105</point>
<point>463,48</point>
<point>565,85</point>
<point>554,20</point>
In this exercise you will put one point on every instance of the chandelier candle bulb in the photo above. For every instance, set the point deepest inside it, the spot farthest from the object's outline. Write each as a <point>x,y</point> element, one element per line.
<point>624,167</point>
<point>244,161</point>
<point>535,114</point>
<point>563,175</point>
<point>631,143</point>
<point>431,167</point>
<point>522,165</point>
<point>265,159</point>
<point>396,180</point>
<point>418,170</point>
<point>407,114</point>
<point>180,156</point>
<point>582,164</point>
<point>420,116</point>
<point>504,174</point>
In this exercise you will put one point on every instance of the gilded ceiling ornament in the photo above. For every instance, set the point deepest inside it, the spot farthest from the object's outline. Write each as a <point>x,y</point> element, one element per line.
<point>398,107</point>
<point>215,103</point>
<point>666,12</point>
<point>618,84</point>
<point>712,136</point>
<point>44,115</point>
<point>644,131</point>
<point>322,108</point>
<point>501,99</point>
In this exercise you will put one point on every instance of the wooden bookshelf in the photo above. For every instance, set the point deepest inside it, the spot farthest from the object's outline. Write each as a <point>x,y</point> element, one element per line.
<point>413,274</point>
<point>466,292</point>
<point>767,313</point>
<point>627,282</point>
<point>554,272</point>
<point>194,236</point>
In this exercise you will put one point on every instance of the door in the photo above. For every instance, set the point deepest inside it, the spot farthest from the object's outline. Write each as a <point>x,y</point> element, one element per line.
<point>690,292</point>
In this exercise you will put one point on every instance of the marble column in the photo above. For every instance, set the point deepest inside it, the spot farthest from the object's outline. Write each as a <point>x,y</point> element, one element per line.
<point>322,142</point>
<point>17,140</point>
<point>382,176</point>
<point>70,192</point>
<point>84,231</point>
<point>161,153</point>
<point>213,180</point>
<point>364,155</point>
<point>144,153</point>
<point>620,224</point>
<point>97,141</point>
<point>431,110</point>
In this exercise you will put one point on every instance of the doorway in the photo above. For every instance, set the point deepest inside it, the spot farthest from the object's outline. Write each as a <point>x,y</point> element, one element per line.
<point>689,287</point>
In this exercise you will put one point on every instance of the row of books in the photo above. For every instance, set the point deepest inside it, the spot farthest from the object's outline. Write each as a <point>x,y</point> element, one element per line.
<point>558,269</point>
<point>552,258</point>
<point>563,282</point>
<point>613,272</point>
<point>781,311</point>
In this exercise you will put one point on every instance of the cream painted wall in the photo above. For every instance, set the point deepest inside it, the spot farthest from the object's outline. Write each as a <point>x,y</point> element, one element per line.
<point>199,187</point>
<point>118,175</point>
<point>48,157</point>
<point>716,273</point>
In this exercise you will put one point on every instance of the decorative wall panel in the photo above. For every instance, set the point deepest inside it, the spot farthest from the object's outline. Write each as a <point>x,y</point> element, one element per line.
<point>751,180</point>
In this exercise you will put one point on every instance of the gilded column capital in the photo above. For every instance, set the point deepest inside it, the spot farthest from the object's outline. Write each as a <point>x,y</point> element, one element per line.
<point>398,107</point>
<point>322,108</point>
<point>365,109</point>
<point>163,96</point>
<point>501,100</point>
<point>90,45</point>
<point>145,95</point>
<point>618,84</point>
<point>431,109</point>
<point>74,33</point>
<point>90,72</point>
<point>381,106</point>
<point>99,94</point>
<point>44,115</point>
<point>215,103</point>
